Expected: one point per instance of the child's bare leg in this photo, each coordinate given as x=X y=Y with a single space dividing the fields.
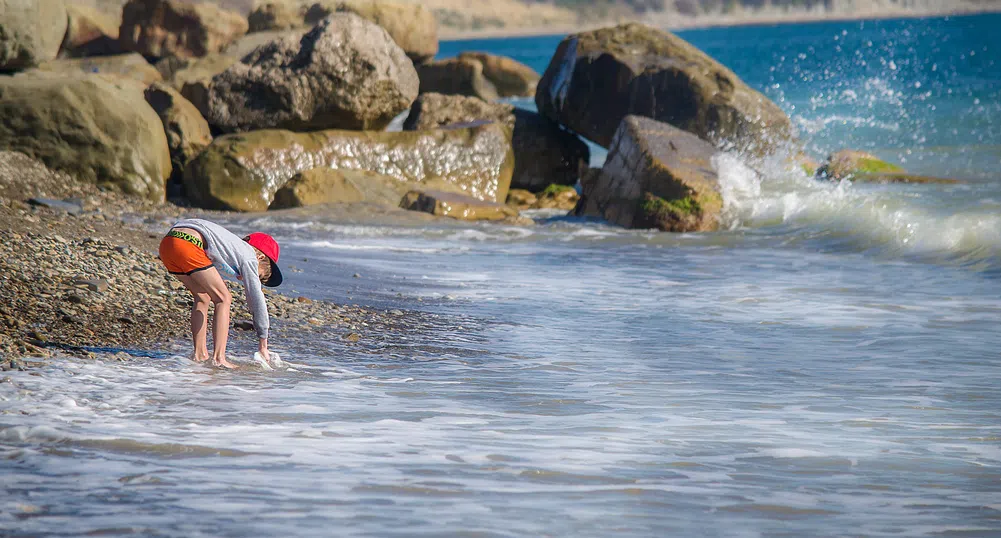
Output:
x=211 y=284
x=199 y=325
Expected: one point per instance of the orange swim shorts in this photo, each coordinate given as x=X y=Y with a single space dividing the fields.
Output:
x=182 y=257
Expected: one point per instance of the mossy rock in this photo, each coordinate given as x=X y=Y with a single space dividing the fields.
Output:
x=597 y=78
x=656 y=176
x=556 y=196
x=848 y=163
x=243 y=172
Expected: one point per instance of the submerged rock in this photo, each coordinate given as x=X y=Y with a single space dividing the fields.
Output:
x=859 y=166
x=242 y=172
x=131 y=66
x=94 y=128
x=656 y=176
x=346 y=73
x=457 y=206
x=544 y=152
x=456 y=76
x=30 y=32
x=90 y=32
x=596 y=78
x=158 y=28
x=511 y=78
x=187 y=131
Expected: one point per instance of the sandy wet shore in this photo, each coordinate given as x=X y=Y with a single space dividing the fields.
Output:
x=85 y=273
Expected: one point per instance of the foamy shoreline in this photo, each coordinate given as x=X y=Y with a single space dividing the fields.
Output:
x=688 y=23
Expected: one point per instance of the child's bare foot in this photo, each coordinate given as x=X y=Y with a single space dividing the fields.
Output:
x=223 y=363
x=200 y=358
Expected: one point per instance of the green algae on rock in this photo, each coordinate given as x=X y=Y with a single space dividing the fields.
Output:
x=863 y=167
x=242 y=172
x=457 y=206
x=656 y=176
x=596 y=78
x=97 y=129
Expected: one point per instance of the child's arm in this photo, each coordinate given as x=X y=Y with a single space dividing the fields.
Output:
x=258 y=306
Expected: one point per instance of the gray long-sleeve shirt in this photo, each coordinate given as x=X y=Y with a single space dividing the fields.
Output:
x=233 y=257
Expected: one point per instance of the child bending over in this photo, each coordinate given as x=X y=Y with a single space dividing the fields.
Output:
x=195 y=251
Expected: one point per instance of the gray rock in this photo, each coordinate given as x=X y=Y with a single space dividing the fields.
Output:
x=346 y=73
x=656 y=176
x=68 y=207
x=31 y=32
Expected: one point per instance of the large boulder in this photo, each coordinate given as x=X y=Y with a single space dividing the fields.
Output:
x=656 y=176
x=30 y=32
x=457 y=206
x=597 y=78
x=346 y=73
x=436 y=110
x=544 y=152
x=187 y=131
x=182 y=28
x=410 y=24
x=95 y=128
x=511 y=78
x=131 y=66
x=90 y=32
x=318 y=186
x=456 y=76
x=243 y=171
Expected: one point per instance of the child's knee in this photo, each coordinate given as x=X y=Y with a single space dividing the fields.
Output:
x=202 y=300
x=223 y=297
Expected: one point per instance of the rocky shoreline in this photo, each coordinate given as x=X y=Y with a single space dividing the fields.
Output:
x=74 y=274
x=289 y=107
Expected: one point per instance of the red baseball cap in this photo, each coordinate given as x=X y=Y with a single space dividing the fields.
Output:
x=267 y=244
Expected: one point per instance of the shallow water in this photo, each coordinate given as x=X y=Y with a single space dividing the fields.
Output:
x=826 y=365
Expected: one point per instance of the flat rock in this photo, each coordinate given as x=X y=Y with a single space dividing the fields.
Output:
x=97 y=285
x=244 y=171
x=31 y=32
x=456 y=76
x=597 y=78
x=61 y=205
x=656 y=176
x=850 y=163
x=95 y=128
x=132 y=66
x=457 y=206
x=159 y=28
x=346 y=73
x=511 y=78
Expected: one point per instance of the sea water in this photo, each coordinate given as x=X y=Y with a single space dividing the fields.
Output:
x=826 y=365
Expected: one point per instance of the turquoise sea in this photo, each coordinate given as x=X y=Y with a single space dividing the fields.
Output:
x=826 y=365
